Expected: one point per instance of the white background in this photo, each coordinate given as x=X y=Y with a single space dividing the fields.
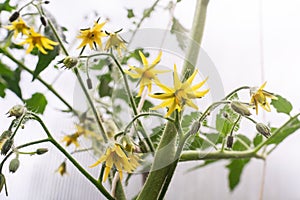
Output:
x=232 y=39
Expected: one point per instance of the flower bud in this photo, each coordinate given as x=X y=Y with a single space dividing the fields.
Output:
x=6 y=146
x=41 y=151
x=14 y=16
x=195 y=127
x=62 y=169
x=17 y=111
x=89 y=83
x=14 y=165
x=43 y=20
x=5 y=135
x=46 y=2
x=240 y=108
x=263 y=129
x=127 y=143
x=2 y=181
x=229 y=141
x=70 y=62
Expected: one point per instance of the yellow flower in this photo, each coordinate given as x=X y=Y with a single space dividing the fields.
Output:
x=115 y=41
x=35 y=39
x=62 y=169
x=18 y=26
x=92 y=36
x=69 y=139
x=115 y=156
x=259 y=96
x=147 y=74
x=179 y=96
x=82 y=131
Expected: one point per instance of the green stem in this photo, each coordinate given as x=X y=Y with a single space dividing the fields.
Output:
x=193 y=155
x=20 y=147
x=97 y=184
x=235 y=91
x=210 y=108
x=18 y=125
x=196 y=38
x=47 y=85
x=132 y=102
x=98 y=120
x=145 y=15
x=157 y=178
x=277 y=131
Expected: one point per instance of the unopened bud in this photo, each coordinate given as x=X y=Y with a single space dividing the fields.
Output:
x=6 y=146
x=70 y=62
x=195 y=127
x=5 y=135
x=14 y=165
x=263 y=129
x=240 y=108
x=14 y=16
x=16 y=111
x=62 y=169
x=41 y=151
x=89 y=83
x=43 y=20
x=229 y=141
x=46 y=2
x=2 y=181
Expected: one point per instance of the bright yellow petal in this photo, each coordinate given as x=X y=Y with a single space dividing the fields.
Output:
x=144 y=59
x=191 y=78
x=199 y=85
x=164 y=104
x=106 y=173
x=191 y=104
x=262 y=86
x=162 y=96
x=172 y=108
x=177 y=82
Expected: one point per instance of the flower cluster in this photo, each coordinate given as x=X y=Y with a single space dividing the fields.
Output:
x=33 y=39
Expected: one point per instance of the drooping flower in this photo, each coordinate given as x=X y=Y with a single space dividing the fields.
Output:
x=35 y=39
x=116 y=157
x=18 y=26
x=92 y=36
x=115 y=41
x=179 y=96
x=71 y=139
x=62 y=169
x=259 y=96
x=147 y=74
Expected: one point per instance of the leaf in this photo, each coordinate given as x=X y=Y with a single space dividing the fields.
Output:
x=240 y=142
x=130 y=13
x=257 y=139
x=135 y=55
x=45 y=59
x=12 y=79
x=284 y=131
x=37 y=103
x=189 y=119
x=197 y=142
x=180 y=32
x=2 y=90
x=224 y=125
x=6 y=6
x=235 y=168
x=101 y=64
x=104 y=89
x=205 y=163
x=282 y=105
x=147 y=104
x=156 y=135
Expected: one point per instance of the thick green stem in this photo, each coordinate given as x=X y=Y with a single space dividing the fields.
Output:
x=47 y=85
x=157 y=178
x=235 y=91
x=196 y=39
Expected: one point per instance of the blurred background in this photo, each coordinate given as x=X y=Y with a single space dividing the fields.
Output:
x=249 y=41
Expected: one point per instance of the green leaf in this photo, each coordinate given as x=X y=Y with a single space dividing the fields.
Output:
x=147 y=104
x=156 y=135
x=130 y=13
x=257 y=139
x=205 y=163
x=37 y=103
x=225 y=124
x=101 y=64
x=135 y=55
x=12 y=80
x=282 y=105
x=6 y=6
x=45 y=59
x=235 y=168
x=180 y=32
x=2 y=90
x=196 y=142
x=284 y=131
x=104 y=89
x=241 y=142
